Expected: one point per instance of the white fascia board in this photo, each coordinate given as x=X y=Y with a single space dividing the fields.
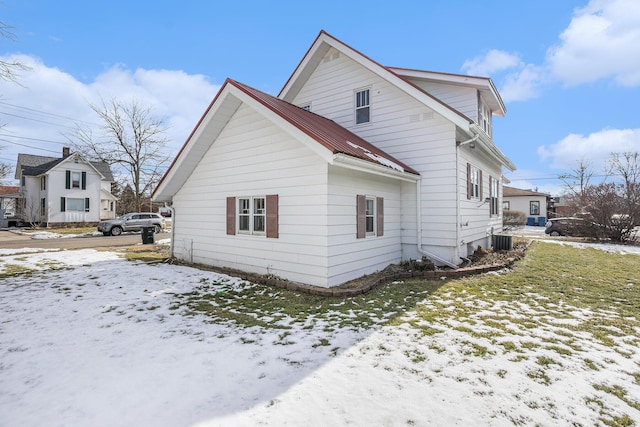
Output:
x=353 y=163
x=199 y=142
x=484 y=84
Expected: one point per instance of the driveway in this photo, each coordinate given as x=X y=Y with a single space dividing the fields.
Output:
x=9 y=240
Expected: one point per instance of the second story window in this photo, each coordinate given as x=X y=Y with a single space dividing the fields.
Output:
x=75 y=179
x=363 y=106
x=484 y=116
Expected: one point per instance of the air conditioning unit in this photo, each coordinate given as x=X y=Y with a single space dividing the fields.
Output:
x=501 y=242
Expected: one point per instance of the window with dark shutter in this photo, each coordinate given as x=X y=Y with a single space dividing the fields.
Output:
x=231 y=215
x=84 y=180
x=361 y=216
x=67 y=180
x=63 y=204
x=379 y=216
x=272 y=216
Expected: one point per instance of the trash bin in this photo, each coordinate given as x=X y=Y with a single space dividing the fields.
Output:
x=148 y=235
x=542 y=221
x=531 y=220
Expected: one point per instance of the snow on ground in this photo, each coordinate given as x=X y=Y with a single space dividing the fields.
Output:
x=89 y=338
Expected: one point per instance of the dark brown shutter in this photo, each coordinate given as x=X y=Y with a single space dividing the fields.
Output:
x=361 y=217
x=272 y=216
x=468 y=180
x=380 y=216
x=231 y=215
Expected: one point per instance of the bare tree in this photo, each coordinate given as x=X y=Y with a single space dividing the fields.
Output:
x=132 y=139
x=578 y=179
x=9 y=71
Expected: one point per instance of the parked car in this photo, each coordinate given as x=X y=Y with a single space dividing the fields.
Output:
x=570 y=226
x=131 y=222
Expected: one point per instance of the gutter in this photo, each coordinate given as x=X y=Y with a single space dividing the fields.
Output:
x=429 y=255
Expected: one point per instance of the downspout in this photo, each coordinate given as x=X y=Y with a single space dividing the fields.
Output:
x=429 y=255
x=173 y=228
x=471 y=141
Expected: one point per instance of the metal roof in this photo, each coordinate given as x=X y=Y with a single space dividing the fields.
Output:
x=326 y=132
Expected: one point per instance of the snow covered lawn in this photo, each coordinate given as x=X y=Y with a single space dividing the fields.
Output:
x=88 y=338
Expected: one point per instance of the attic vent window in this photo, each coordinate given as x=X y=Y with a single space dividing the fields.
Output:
x=363 y=106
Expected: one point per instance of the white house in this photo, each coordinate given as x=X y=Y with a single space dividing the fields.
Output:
x=532 y=203
x=67 y=189
x=352 y=167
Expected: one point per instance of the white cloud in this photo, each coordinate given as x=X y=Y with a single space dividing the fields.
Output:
x=523 y=84
x=48 y=102
x=519 y=81
x=493 y=61
x=595 y=148
x=602 y=40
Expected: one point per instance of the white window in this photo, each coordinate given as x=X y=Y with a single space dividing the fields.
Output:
x=484 y=116
x=75 y=204
x=493 y=196
x=252 y=215
x=370 y=216
x=363 y=105
x=474 y=180
x=75 y=180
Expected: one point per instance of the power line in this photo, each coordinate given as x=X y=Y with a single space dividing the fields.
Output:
x=46 y=113
x=37 y=120
x=34 y=139
x=28 y=146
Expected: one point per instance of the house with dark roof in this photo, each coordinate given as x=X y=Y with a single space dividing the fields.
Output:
x=63 y=190
x=351 y=167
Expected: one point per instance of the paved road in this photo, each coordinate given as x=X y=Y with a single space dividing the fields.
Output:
x=9 y=240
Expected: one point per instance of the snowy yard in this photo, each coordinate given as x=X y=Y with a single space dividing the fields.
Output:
x=88 y=338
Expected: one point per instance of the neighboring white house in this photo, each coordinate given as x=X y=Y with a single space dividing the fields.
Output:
x=354 y=166
x=532 y=203
x=67 y=189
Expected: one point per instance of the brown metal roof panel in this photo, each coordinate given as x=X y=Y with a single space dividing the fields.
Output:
x=327 y=132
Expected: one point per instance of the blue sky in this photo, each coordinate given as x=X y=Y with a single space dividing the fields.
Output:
x=568 y=71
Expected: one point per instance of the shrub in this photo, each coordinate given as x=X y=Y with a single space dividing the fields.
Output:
x=513 y=218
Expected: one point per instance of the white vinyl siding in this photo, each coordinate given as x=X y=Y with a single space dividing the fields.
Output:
x=404 y=128
x=250 y=157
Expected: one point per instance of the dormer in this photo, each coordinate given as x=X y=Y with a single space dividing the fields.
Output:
x=475 y=97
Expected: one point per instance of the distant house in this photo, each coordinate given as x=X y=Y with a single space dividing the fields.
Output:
x=62 y=190
x=532 y=203
x=8 y=196
x=352 y=167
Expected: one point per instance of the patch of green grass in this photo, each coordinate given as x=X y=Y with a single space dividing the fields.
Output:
x=147 y=253
x=70 y=230
x=618 y=392
x=14 y=269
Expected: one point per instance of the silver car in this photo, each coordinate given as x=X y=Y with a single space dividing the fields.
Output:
x=131 y=222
